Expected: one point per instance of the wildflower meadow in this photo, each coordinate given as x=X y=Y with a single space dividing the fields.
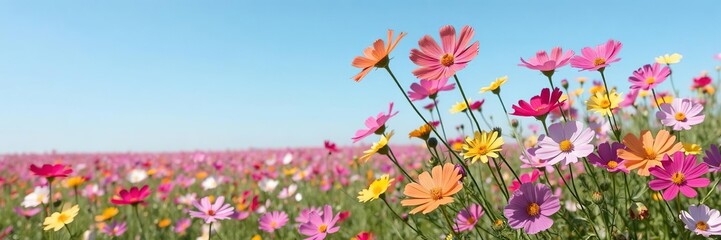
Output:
x=580 y=158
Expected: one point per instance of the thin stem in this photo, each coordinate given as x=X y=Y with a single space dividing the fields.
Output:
x=670 y=76
x=448 y=220
x=69 y=233
x=617 y=131
x=137 y=217
x=210 y=231
x=560 y=109
x=713 y=188
x=653 y=91
x=463 y=94
x=395 y=161
x=399 y=217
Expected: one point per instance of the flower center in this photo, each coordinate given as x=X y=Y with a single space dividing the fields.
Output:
x=482 y=150
x=701 y=225
x=471 y=220
x=533 y=209
x=62 y=218
x=322 y=228
x=599 y=61
x=650 y=153
x=680 y=116
x=211 y=213
x=612 y=164
x=376 y=189
x=273 y=224
x=565 y=146
x=436 y=194
x=650 y=80
x=605 y=103
x=678 y=178
x=447 y=60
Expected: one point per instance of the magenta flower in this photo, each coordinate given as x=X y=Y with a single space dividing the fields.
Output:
x=115 y=229
x=679 y=173
x=51 y=171
x=212 y=212
x=530 y=160
x=330 y=146
x=598 y=58
x=530 y=208
x=607 y=157
x=374 y=124
x=543 y=63
x=319 y=226
x=468 y=217
x=525 y=178
x=26 y=212
x=629 y=99
x=436 y=63
x=700 y=82
x=304 y=215
x=713 y=158
x=269 y=222
x=540 y=105
x=566 y=143
x=181 y=225
x=429 y=88
x=681 y=114
x=648 y=76
x=477 y=104
x=134 y=196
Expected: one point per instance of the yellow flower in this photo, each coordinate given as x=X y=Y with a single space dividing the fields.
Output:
x=374 y=191
x=377 y=146
x=669 y=59
x=531 y=141
x=163 y=223
x=290 y=171
x=596 y=88
x=151 y=172
x=495 y=86
x=578 y=92
x=708 y=89
x=691 y=149
x=665 y=99
x=256 y=237
x=656 y=196
x=459 y=107
x=581 y=80
x=482 y=145
x=74 y=182
x=599 y=102
x=422 y=132
x=59 y=219
x=108 y=213
x=201 y=175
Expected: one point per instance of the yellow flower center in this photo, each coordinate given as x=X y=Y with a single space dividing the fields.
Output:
x=650 y=80
x=565 y=146
x=482 y=150
x=376 y=189
x=599 y=61
x=701 y=225
x=680 y=116
x=533 y=209
x=273 y=224
x=678 y=178
x=604 y=103
x=612 y=164
x=447 y=60
x=62 y=218
x=498 y=223
x=436 y=194
x=322 y=228
x=650 y=153
x=471 y=220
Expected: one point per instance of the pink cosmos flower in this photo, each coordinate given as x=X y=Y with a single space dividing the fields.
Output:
x=468 y=217
x=319 y=226
x=51 y=171
x=679 y=173
x=181 y=225
x=649 y=76
x=134 y=196
x=330 y=146
x=681 y=114
x=592 y=59
x=429 y=88
x=219 y=210
x=374 y=124
x=629 y=99
x=431 y=106
x=530 y=208
x=364 y=236
x=530 y=160
x=436 y=63
x=566 y=143
x=525 y=178
x=713 y=158
x=540 y=105
x=700 y=82
x=269 y=222
x=26 y=212
x=476 y=105
x=543 y=63
x=608 y=158
x=304 y=215
x=115 y=229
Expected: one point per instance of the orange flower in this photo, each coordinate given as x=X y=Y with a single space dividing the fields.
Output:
x=647 y=152
x=433 y=190
x=376 y=55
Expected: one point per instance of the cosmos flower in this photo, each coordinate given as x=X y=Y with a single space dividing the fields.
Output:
x=646 y=152
x=540 y=105
x=330 y=146
x=438 y=62
x=607 y=157
x=566 y=143
x=58 y=220
x=702 y=220
x=375 y=56
x=468 y=217
x=649 y=76
x=525 y=178
x=219 y=210
x=374 y=191
x=319 y=226
x=482 y=146
x=51 y=171
x=713 y=158
x=424 y=131
x=600 y=103
x=40 y=195
x=701 y=82
x=530 y=208
x=137 y=175
x=669 y=59
x=134 y=196
x=629 y=99
x=26 y=212
x=107 y=214
x=114 y=229
x=681 y=114
x=530 y=160
x=377 y=147
x=495 y=86
x=598 y=58
x=272 y=221
x=679 y=173
x=429 y=89
x=542 y=62
x=434 y=190
x=374 y=125
x=181 y=225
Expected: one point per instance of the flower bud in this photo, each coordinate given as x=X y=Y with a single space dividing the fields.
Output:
x=514 y=123
x=564 y=84
x=597 y=197
x=461 y=171
x=432 y=142
x=604 y=186
x=498 y=225
x=638 y=211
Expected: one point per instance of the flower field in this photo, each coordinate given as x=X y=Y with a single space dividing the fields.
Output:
x=597 y=161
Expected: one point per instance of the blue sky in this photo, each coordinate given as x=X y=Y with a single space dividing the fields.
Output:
x=185 y=75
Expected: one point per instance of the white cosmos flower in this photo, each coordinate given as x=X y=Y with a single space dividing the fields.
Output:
x=702 y=220
x=288 y=191
x=209 y=183
x=287 y=159
x=35 y=198
x=298 y=197
x=268 y=185
x=137 y=175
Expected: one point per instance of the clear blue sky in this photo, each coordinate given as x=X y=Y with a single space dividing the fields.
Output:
x=185 y=75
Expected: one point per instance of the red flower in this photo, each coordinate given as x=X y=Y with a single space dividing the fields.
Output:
x=330 y=146
x=540 y=105
x=51 y=171
x=132 y=196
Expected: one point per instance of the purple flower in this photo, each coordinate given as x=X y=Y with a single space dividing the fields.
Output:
x=702 y=220
x=269 y=222
x=566 y=142
x=319 y=226
x=713 y=158
x=115 y=229
x=530 y=160
x=304 y=215
x=530 y=208
x=679 y=173
x=680 y=114
x=212 y=212
x=607 y=157
x=468 y=217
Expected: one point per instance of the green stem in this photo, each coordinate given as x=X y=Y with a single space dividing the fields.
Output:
x=468 y=106
x=400 y=218
x=395 y=161
x=713 y=188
